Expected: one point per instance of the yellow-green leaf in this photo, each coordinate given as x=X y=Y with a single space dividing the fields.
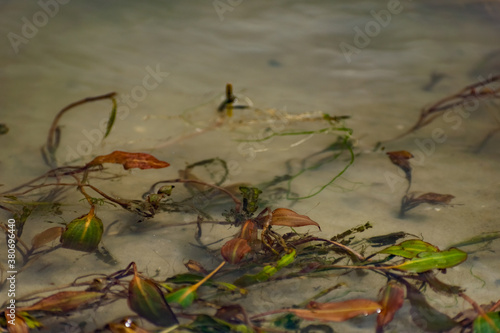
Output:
x=184 y=297
x=427 y=261
x=410 y=248
x=83 y=233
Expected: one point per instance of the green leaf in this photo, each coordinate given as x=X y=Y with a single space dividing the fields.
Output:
x=147 y=300
x=266 y=272
x=112 y=118
x=490 y=324
x=433 y=260
x=184 y=297
x=83 y=233
x=410 y=248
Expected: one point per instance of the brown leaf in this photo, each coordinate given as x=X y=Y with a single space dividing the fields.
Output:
x=64 y=301
x=391 y=300
x=401 y=159
x=46 y=236
x=130 y=160
x=337 y=311
x=195 y=267
x=234 y=250
x=288 y=218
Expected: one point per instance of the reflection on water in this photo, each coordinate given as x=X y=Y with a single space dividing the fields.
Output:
x=377 y=62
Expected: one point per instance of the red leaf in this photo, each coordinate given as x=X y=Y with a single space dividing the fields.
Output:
x=337 y=311
x=289 y=218
x=130 y=160
x=391 y=299
x=234 y=250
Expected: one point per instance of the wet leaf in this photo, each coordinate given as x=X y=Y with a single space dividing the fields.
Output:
x=184 y=297
x=147 y=300
x=337 y=311
x=424 y=315
x=401 y=159
x=410 y=248
x=427 y=261
x=488 y=323
x=391 y=300
x=129 y=160
x=266 y=272
x=289 y=218
x=46 y=236
x=83 y=233
x=64 y=301
x=234 y=250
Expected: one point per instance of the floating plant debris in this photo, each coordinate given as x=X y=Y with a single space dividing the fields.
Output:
x=265 y=246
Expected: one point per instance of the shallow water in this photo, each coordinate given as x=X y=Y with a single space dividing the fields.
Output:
x=285 y=55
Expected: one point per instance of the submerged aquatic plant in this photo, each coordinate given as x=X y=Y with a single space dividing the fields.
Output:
x=258 y=253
